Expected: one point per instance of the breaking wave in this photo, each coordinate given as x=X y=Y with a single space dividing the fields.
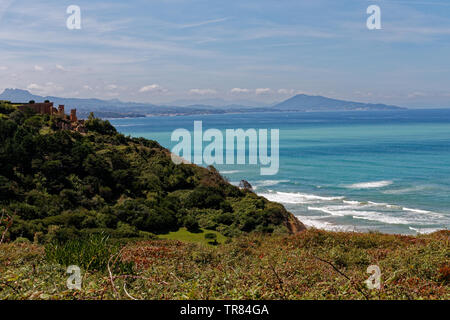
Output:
x=230 y=172
x=425 y=230
x=297 y=198
x=336 y=208
x=370 y=185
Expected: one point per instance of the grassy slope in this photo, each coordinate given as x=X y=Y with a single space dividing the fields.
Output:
x=249 y=267
x=184 y=235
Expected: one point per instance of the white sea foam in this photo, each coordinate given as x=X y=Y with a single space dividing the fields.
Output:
x=356 y=205
x=351 y=202
x=425 y=230
x=360 y=214
x=315 y=222
x=400 y=208
x=370 y=185
x=405 y=190
x=229 y=171
x=426 y=212
x=375 y=216
x=267 y=183
x=336 y=207
x=297 y=198
x=326 y=210
x=416 y=210
x=382 y=204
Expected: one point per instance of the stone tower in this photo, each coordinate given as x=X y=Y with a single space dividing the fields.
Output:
x=61 y=110
x=73 y=115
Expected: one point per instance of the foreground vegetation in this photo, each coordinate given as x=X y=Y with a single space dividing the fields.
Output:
x=311 y=265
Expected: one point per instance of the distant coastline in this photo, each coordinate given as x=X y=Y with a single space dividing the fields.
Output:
x=116 y=109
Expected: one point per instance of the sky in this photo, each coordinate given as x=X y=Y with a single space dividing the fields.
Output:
x=260 y=50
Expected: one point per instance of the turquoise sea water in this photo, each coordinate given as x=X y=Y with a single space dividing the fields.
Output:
x=385 y=171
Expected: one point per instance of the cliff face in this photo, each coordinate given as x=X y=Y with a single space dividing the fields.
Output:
x=294 y=225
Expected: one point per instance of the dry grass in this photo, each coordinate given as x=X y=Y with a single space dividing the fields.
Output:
x=312 y=265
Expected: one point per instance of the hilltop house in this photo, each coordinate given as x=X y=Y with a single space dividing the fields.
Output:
x=67 y=122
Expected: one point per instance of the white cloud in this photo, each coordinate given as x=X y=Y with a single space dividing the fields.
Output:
x=112 y=94
x=38 y=68
x=60 y=67
x=34 y=86
x=153 y=88
x=86 y=87
x=47 y=89
x=239 y=90
x=3 y=68
x=286 y=91
x=111 y=87
x=202 y=92
x=416 y=94
x=262 y=91
x=363 y=94
x=202 y=23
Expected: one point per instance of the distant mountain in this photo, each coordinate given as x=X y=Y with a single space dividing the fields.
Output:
x=105 y=108
x=102 y=108
x=303 y=102
x=118 y=109
x=18 y=95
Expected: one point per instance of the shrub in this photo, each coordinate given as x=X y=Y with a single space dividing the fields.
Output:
x=210 y=236
x=22 y=240
x=91 y=252
x=191 y=224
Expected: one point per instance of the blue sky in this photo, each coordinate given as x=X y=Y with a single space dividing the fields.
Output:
x=260 y=50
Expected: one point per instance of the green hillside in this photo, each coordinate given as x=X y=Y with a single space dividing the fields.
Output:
x=60 y=184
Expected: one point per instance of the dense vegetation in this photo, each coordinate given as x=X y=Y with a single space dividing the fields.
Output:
x=57 y=185
x=311 y=265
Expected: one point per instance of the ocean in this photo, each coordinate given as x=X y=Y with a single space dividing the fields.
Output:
x=386 y=171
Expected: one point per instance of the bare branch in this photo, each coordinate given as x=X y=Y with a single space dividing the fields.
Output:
x=280 y=281
x=356 y=285
x=111 y=278
x=126 y=292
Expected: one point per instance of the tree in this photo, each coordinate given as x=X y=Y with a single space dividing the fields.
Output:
x=191 y=224
x=211 y=236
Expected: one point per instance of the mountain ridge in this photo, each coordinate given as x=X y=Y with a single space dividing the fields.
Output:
x=303 y=102
x=117 y=108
